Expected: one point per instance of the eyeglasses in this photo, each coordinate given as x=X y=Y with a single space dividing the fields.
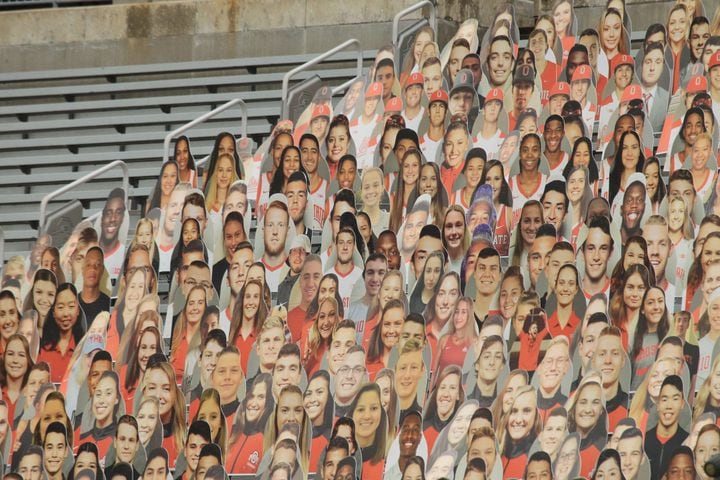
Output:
x=344 y=370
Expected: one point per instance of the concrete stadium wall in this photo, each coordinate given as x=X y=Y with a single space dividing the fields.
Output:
x=130 y=32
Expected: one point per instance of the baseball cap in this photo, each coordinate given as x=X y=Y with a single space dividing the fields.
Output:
x=583 y=72
x=395 y=104
x=464 y=81
x=93 y=342
x=322 y=110
x=524 y=74
x=622 y=59
x=301 y=241
x=374 y=90
x=631 y=92
x=697 y=84
x=494 y=94
x=560 y=88
x=245 y=146
x=714 y=60
x=439 y=96
x=415 y=79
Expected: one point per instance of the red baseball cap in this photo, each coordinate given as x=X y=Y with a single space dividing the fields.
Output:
x=415 y=79
x=374 y=90
x=622 y=59
x=322 y=110
x=494 y=94
x=395 y=104
x=439 y=96
x=714 y=60
x=697 y=84
x=560 y=88
x=631 y=92
x=583 y=72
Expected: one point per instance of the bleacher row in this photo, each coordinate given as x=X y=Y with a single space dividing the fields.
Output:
x=57 y=125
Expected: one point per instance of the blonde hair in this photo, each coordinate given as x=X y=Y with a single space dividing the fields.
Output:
x=211 y=195
x=703 y=396
x=687 y=227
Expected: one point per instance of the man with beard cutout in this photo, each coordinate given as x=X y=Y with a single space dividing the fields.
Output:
x=317 y=199
x=348 y=273
x=276 y=224
x=299 y=250
x=110 y=222
x=632 y=210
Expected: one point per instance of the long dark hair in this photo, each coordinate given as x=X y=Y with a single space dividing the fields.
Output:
x=237 y=313
x=278 y=180
x=157 y=191
x=592 y=166
x=132 y=373
x=51 y=331
x=619 y=270
x=642 y=325
x=329 y=413
x=661 y=188
x=605 y=455
x=617 y=168
x=505 y=194
x=91 y=448
x=191 y=159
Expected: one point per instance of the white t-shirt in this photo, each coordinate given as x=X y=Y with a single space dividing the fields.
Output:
x=346 y=283
x=362 y=136
x=429 y=148
x=706 y=345
x=490 y=145
x=414 y=123
x=317 y=201
x=274 y=275
x=114 y=261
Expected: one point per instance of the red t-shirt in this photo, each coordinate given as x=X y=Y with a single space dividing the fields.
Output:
x=57 y=360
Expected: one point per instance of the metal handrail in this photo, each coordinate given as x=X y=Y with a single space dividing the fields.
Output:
x=90 y=176
x=315 y=61
x=202 y=118
x=409 y=10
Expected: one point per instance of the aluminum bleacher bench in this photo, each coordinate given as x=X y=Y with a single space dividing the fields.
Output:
x=211 y=84
x=111 y=74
